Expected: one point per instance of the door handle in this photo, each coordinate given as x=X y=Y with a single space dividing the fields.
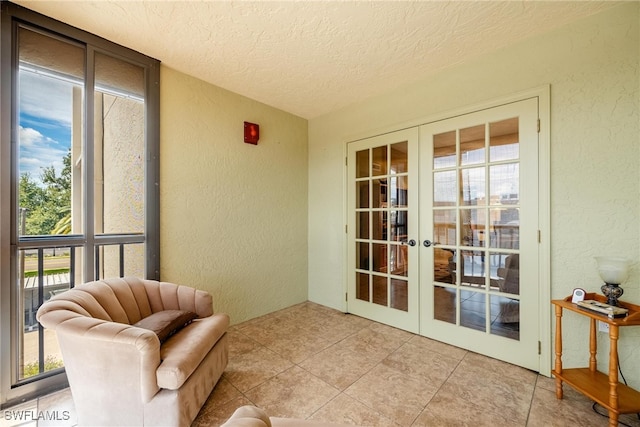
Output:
x=428 y=243
x=410 y=242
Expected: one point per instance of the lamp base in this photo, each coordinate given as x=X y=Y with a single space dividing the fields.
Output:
x=612 y=291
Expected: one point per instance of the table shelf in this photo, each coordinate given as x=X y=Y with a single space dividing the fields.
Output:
x=595 y=385
x=603 y=388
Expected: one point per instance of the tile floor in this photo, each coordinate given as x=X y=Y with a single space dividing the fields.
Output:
x=309 y=361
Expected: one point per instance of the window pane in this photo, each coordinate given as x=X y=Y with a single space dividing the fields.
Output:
x=119 y=146
x=120 y=260
x=43 y=273
x=50 y=94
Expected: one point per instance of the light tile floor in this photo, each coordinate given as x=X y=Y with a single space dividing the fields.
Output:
x=309 y=361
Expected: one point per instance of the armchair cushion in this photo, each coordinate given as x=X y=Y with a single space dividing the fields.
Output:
x=198 y=338
x=165 y=323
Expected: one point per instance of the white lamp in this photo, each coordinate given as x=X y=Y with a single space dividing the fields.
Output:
x=614 y=271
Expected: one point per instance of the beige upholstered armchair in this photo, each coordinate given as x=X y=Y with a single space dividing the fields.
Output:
x=119 y=372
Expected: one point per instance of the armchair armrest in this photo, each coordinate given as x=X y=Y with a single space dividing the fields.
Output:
x=93 y=349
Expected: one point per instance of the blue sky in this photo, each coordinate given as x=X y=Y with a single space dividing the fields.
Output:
x=45 y=122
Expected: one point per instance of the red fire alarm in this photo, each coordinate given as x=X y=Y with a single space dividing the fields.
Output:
x=251 y=133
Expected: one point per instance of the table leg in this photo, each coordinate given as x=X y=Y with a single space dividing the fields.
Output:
x=558 y=364
x=613 y=374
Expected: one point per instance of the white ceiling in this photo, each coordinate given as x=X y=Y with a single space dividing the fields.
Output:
x=314 y=57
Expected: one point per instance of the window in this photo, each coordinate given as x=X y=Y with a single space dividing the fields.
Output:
x=79 y=156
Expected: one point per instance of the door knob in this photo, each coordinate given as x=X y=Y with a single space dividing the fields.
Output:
x=428 y=243
x=410 y=242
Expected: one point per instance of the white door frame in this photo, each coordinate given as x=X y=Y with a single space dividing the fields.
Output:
x=543 y=93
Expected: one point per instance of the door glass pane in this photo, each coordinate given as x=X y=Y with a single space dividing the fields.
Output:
x=50 y=114
x=473 y=269
x=399 y=294
x=380 y=193
x=505 y=229
x=399 y=226
x=504 y=184
x=472 y=145
x=398 y=260
x=380 y=293
x=505 y=317
x=444 y=150
x=472 y=227
x=379 y=161
x=362 y=255
x=473 y=186
x=473 y=310
x=504 y=142
x=508 y=272
x=444 y=304
x=362 y=194
x=444 y=226
x=379 y=225
x=119 y=146
x=399 y=162
x=445 y=188
x=379 y=257
x=362 y=164
x=443 y=265
x=362 y=225
x=399 y=191
x=362 y=286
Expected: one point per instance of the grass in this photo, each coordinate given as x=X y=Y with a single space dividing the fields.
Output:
x=33 y=368
x=34 y=273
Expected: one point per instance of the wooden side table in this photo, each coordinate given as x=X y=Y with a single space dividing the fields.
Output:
x=602 y=388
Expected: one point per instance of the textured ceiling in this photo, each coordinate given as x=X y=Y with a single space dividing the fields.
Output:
x=314 y=57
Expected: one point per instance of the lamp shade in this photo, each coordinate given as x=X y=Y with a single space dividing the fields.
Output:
x=613 y=269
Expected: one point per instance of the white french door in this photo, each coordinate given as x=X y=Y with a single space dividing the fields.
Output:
x=382 y=229
x=442 y=231
x=479 y=225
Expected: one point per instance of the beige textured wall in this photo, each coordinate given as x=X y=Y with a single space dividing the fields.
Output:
x=592 y=67
x=233 y=215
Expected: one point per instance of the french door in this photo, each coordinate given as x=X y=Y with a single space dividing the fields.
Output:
x=447 y=245
x=479 y=225
x=382 y=229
